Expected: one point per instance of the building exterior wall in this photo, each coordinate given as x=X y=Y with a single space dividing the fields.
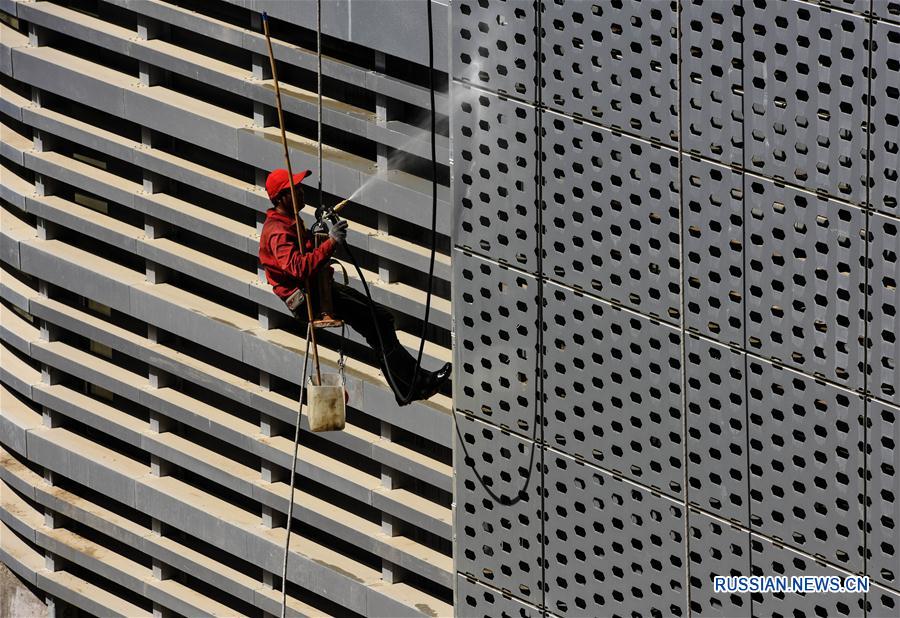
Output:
x=673 y=236
x=675 y=267
x=149 y=376
x=16 y=600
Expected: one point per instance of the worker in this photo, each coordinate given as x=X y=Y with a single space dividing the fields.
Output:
x=287 y=270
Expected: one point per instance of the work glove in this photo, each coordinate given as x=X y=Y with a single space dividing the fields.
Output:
x=338 y=231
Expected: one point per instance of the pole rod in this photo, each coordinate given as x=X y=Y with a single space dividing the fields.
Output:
x=287 y=159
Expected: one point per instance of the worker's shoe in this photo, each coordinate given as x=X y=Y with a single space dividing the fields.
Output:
x=431 y=382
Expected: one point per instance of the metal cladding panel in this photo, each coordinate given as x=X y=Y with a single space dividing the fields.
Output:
x=883 y=602
x=479 y=601
x=884 y=301
x=499 y=509
x=717 y=429
x=613 y=62
x=805 y=96
x=717 y=549
x=712 y=209
x=393 y=29
x=615 y=548
x=674 y=243
x=494 y=45
x=610 y=216
x=805 y=276
x=497 y=351
x=888 y=10
x=716 y=278
x=885 y=117
x=856 y=6
x=806 y=464
x=612 y=388
x=494 y=177
x=768 y=558
x=883 y=493
x=712 y=80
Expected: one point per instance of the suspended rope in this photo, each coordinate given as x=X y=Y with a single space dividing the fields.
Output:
x=310 y=330
x=310 y=325
x=290 y=513
x=319 y=96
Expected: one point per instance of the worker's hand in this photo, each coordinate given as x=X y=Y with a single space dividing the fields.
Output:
x=338 y=231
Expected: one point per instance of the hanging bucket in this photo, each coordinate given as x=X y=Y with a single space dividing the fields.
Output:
x=326 y=403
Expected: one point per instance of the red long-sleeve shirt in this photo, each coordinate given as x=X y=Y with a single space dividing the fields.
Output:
x=280 y=255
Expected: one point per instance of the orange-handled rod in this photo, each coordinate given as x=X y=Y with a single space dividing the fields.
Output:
x=287 y=160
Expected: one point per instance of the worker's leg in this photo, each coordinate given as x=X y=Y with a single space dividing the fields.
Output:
x=353 y=307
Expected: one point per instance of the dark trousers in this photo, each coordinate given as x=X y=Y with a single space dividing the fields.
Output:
x=353 y=308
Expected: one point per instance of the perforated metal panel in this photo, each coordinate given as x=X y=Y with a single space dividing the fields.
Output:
x=717 y=429
x=806 y=466
x=613 y=62
x=744 y=239
x=611 y=216
x=494 y=177
x=712 y=79
x=882 y=602
x=615 y=549
x=713 y=211
x=498 y=496
x=612 y=388
x=804 y=281
x=494 y=45
x=804 y=96
x=885 y=141
x=497 y=345
x=479 y=601
x=770 y=559
x=888 y=10
x=717 y=549
x=883 y=493
x=884 y=321
x=856 y=6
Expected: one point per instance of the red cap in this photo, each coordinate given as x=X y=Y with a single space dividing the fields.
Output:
x=278 y=181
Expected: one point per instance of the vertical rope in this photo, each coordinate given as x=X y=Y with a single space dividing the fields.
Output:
x=319 y=95
x=539 y=247
x=867 y=293
x=682 y=326
x=310 y=329
x=290 y=513
x=745 y=238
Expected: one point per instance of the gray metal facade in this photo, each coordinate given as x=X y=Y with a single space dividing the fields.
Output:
x=673 y=239
x=149 y=375
x=675 y=304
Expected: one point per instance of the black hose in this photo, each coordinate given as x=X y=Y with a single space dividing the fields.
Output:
x=387 y=372
x=522 y=493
